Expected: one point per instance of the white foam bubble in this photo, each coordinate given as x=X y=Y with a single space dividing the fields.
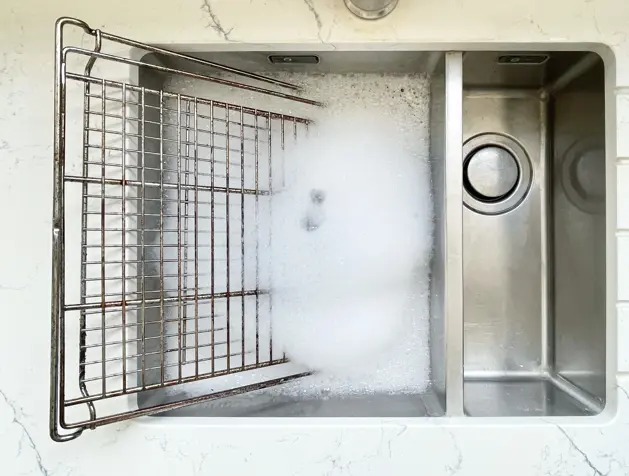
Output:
x=352 y=236
x=350 y=297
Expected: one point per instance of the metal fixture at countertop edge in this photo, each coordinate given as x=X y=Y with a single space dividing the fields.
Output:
x=371 y=9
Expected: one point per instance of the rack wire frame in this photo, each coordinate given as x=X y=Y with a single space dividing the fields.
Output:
x=154 y=305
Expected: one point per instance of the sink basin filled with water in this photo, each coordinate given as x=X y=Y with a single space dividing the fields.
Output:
x=350 y=281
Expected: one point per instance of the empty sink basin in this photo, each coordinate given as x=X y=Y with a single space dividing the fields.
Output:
x=534 y=234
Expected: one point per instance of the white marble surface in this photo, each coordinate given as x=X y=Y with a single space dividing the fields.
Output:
x=593 y=446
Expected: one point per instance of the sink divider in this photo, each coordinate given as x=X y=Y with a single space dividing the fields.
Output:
x=446 y=305
x=453 y=217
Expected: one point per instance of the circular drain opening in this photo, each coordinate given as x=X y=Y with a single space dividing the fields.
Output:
x=491 y=173
x=496 y=174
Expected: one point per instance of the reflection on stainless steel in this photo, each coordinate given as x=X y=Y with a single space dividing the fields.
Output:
x=534 y=297
x=582 y=174
x=371 y=9
x=492 y=172
x=579 y=235
x=519 y=397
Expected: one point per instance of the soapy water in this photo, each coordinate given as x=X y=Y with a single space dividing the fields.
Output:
x=351 y=238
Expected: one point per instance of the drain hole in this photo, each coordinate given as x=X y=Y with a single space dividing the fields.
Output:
x=490 y=173
x=497 y=173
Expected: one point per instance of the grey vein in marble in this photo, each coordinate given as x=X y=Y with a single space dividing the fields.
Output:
x=26 y=434
x=398 y=434
x=586 y=458
x=215 y=22
x=317 y=18
x=454 y=469
x=625 y=393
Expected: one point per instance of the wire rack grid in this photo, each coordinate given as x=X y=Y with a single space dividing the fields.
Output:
x=160 y=207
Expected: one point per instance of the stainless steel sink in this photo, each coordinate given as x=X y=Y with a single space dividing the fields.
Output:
x=529 y=336
x=377 y=66
x=165 y=193
x=534 y=259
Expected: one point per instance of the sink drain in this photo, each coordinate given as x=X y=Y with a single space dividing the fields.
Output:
x=491 y=173
x=496 y=174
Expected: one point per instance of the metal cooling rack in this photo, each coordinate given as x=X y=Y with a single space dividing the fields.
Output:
x=156 y=278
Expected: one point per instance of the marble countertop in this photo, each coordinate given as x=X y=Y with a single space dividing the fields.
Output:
x=593 y=446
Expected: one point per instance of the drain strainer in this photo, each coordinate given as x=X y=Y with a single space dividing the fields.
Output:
x=496 y=174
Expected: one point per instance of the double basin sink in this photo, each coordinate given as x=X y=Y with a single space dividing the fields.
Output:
x=518 y=314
